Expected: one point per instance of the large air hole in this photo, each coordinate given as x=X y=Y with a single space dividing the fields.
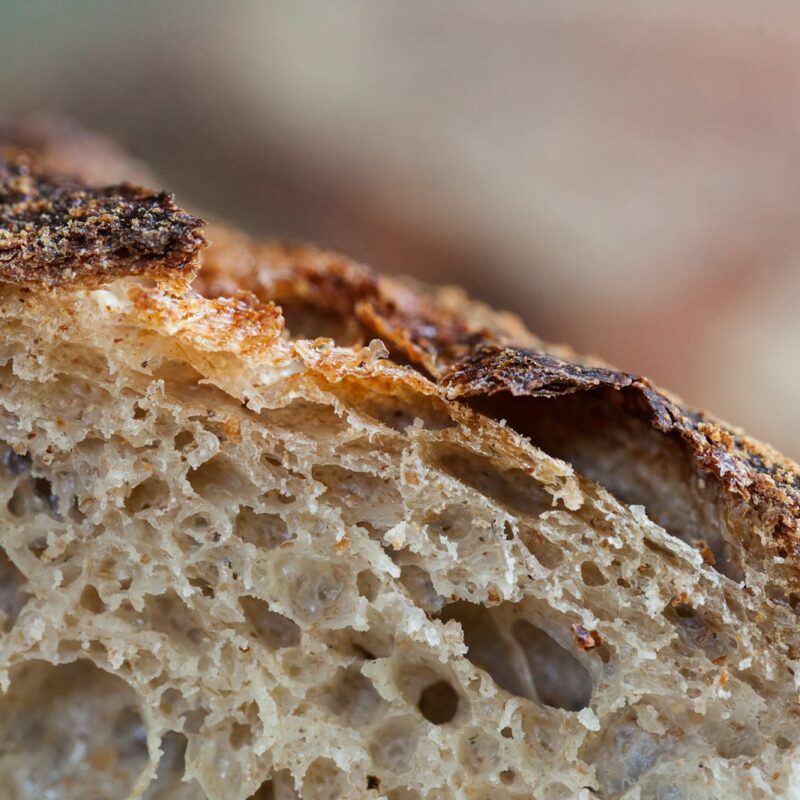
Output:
x=399 y=409
x=365 y=645
x=603 y=436
x=394 y=744
x=561 y=681
x=151 y=493
x=540 y=547
x=91 y=600
x=241 y=736
x=424 y=686
x=168 y=614
x=316 y=591
x=454 y=522
x=15 y=463
x=512 y=488
x=625 y=752
x=218 y=480
x=592 y=575
x=279 y=787
x=352 y=697
x=320 y=417
x=169 y=781
x=361 y=496
x=33 y=496
x=70 y=731
x=479 y=751
x=521 y=657
x=419 y=585
x=275 y=630
x=324 y=781
x=438 y=702
x=368 y=584
x=310 y=321
x=184 y=381
x=12 y=592
x=698 y=631
x=265 y=531
x=184 y=440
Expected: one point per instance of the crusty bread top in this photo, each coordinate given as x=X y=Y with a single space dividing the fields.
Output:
x=438 y=512
x=473 y=353
x=62 y=232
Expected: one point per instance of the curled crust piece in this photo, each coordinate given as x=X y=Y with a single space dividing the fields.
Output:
x=57 y=231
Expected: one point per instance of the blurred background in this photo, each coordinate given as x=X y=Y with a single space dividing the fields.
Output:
x=623 y=175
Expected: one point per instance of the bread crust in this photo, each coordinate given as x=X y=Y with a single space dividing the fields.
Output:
x=473 y=352
x=60 y=232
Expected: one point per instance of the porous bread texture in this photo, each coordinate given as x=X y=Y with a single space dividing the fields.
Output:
x=240 y=564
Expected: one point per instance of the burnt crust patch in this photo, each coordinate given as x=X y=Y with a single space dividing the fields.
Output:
x=529 y=373
x=766 y=480
x=56 y=231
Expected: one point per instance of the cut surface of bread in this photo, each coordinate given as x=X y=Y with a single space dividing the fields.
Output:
x=274 y=526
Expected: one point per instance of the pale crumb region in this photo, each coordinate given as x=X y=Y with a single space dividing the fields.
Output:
x=236 y=563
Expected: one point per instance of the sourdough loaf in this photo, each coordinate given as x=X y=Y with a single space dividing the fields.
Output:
x=276 y=526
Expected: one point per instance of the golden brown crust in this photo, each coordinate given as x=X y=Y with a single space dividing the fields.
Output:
x=473 y=353
x=56 y=231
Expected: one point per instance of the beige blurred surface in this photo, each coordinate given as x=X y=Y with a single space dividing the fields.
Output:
x=626 y=176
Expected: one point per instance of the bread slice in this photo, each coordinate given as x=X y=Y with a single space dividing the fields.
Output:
x=274 y=526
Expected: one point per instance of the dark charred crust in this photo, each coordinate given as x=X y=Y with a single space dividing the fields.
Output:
x=474 y=363
x=428 y=339
x=489 y=369
x=55 y=231
x=766 y=480
x=477 y=363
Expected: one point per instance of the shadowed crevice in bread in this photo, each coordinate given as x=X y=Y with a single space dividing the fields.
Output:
x=300 y=530
x=474 y=352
